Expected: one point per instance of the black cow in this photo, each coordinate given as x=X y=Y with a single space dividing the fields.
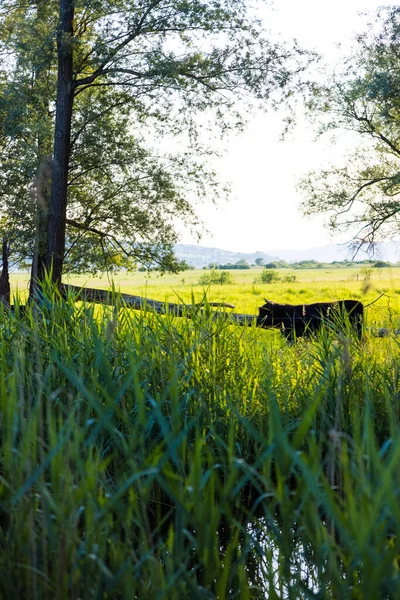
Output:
x=296 y=320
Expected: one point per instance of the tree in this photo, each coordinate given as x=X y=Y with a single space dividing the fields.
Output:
x=123 y=202
x=4 y=274
x=154 y=52
x=259 y=262
x=381 y=264
x=26 y=129
x=363 y=196
x=127 y=72
x=241 y=264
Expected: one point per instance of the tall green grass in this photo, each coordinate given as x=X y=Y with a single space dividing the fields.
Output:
x=144 y=456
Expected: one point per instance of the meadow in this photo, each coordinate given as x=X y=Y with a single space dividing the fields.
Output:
x=151 y=457
x=312 y=285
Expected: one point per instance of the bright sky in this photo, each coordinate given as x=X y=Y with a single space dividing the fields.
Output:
x=262 y=213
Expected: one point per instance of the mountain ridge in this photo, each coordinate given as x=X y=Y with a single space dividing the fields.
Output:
x=201 y=256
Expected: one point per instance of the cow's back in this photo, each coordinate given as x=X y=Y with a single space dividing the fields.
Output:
x=300 y=318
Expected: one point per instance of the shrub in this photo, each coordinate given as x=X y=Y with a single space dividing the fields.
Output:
x=218 y=277
x=289 y=279
x=269 y=276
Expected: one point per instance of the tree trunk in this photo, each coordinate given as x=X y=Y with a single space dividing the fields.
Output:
x=40 y=193
x=62 y=142
x=4 y=275
x=139 y=302
x=40 y=189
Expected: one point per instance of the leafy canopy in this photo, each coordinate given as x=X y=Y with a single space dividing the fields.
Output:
x=363 y=196
x=143 y=71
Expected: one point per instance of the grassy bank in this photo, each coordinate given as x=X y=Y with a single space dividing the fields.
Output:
x=150 y=457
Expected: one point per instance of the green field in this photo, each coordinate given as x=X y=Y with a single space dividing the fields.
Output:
x=311 y=285
x=151 y=457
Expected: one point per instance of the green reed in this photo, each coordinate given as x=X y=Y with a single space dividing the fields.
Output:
x=151 y=457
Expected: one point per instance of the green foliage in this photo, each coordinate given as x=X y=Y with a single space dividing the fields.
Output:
x=289 y=279
x=305 y=264
x=146 y=74
x=240 y=264
x=381 y=264
x=362 y=196
x=146 y=456
x=269 y=276
x=214 y=277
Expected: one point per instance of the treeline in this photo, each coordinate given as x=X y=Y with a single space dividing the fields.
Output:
x=301 y=264
x=240 y=264
x=313 y=264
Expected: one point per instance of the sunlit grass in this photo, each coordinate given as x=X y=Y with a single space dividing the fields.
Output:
x=312 y=285
x=146 y=456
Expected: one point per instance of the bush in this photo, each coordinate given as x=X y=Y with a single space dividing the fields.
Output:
x=289 y=279
x=269 y=276
x=221 y=278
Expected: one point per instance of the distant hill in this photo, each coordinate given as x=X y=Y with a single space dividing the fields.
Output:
x=201 y=256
